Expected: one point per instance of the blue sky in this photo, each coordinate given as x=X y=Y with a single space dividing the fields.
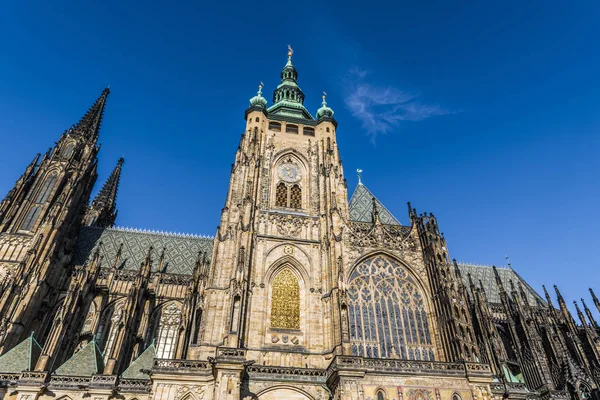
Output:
x=486 y=114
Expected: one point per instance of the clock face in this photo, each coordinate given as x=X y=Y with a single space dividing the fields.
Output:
x=289 y=172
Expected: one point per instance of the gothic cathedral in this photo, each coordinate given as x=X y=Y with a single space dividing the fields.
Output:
x=301 y=294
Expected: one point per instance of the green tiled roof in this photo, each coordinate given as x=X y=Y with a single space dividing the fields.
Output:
x=22 y=357
x=86 y=362
x=143 y=362
x=180 y=254
x=486 y=275
x=361 y=207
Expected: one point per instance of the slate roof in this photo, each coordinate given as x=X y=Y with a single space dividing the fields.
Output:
x=180 y=254
x=22 y=357
x=86 y=362
x=361 y=207
x=143 y=362
x=485 y=273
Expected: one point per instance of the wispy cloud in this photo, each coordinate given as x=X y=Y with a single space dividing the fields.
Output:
x=382 y=108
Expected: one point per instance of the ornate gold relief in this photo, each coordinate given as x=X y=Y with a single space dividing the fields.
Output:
x=285 y=302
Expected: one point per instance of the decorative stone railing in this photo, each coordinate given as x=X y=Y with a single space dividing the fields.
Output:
x=103 y=381
x=162 y=365
x=412 y=367
x=70 y=382
x=135 y=385
x=287 y=373
x=230 y=354
x=33 y=378
x=510 y=387
x=7 y=380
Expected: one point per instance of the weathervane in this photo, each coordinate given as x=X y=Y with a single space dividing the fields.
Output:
x=508 y=261
x=358 y=172
x=290 y=51
x=324 y=95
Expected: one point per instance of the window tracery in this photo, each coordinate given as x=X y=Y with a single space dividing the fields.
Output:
x=295 y=197
x=42 y=196
x=285 y=301
x=281 y=195
x=168 y=329
x=288 y=191
x=387 y=312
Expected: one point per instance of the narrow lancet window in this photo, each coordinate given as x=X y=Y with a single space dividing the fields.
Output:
x=281 y=195
x=295 y=197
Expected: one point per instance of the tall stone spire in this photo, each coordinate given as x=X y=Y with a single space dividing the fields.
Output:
x=288 y=98
x=89 y=125
x=102 y=212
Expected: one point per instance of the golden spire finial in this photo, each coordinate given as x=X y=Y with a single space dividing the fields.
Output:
x=324 y=95
x=290 y=51
x=260 y=86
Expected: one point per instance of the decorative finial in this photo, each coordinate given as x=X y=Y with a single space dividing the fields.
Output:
x=358 y=172
x=290 y=51
x=324 y=96
x=508 y=261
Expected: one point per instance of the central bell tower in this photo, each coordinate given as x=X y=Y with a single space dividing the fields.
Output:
x=275 y=258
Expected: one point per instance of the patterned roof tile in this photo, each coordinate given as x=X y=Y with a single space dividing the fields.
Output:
x=181 y=251
x=22 y=357
x=86 y=362
x=485 y=274
x=143 y=363
x=361 y=207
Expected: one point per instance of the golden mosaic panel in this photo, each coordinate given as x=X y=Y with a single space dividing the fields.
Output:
x=285 y=303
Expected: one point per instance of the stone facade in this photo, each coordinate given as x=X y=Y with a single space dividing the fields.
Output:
x=301 y=294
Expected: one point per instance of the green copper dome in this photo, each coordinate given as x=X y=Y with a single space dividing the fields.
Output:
x=324 y=111
x=258 y=100
x=288 y=98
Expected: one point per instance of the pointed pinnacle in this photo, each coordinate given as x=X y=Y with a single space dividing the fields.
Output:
x=89 y=124
x=107 y=196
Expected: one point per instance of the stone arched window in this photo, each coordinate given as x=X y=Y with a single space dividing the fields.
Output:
x=288 y=188
x=388 y=316
x=168 y=331
x=68 y=150
x=41 y=197
x=285 y=301
x=32 y=216
x=456 y=396
x=281 y=195
x=381 y=395
x=46 y=189
x=295 y=197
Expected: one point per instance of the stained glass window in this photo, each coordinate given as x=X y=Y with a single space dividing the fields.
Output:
x=168 y=329
x=285 y=301
x=44 y=194
x=296 y=197
x=281 y=195
x=31 y=217
x=387 y=313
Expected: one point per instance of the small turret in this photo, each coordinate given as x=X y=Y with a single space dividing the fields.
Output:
x=258 y=101
x=324 y=111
